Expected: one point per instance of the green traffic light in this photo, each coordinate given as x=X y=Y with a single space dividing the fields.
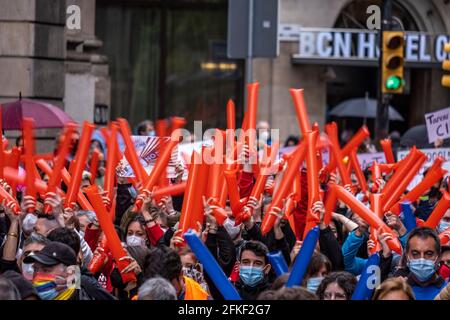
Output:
x=394 y=82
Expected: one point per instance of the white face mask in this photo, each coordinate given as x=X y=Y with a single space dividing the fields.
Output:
x=134 y=241
x=29 y=222
x=232 y=230
x=443 y=225
x=27 y=271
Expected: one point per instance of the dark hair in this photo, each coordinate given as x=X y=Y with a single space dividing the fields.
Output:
x=36 y=238
x=66 y=236
x=8 y=291
x=162 y=261
x=257 y=247
x=445 y=249
x=293 y=139
x=267 y=295
x=139 y=254
x=136 y=218
x=294 y=293
x=424 y=233
x=280 y=281
x=316 y=262
x=142 y=126
x=344 y=279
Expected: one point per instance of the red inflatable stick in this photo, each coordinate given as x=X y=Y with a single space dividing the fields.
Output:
x=99 y=257
x=80 y=158
x=130 y=151
x=1 y=144
x=107 y=226
x=376 y=174
x=444 y=237
x=433 y=176
x=13 y=177
x=55 y=178
x=365 y=213
x=172 y=190
x=175 y=124
x=386 y=144
x=330 y=205
x=354 y=142
x=402 y=171
x=358 y=172
x=4 y=195
x=84 y=203
x=187 y=217
x=312 y=172
x=111 y=161
x=391 y=198
x=231 y=115
x=93 y=166
x=161 y=128
x=300 y=108
x=374 y=238
x=285 y=185
x=332 y=132
x=28 y=142
x=376 y=204
x=158 y=170
x=233 y=192
x=439 y=211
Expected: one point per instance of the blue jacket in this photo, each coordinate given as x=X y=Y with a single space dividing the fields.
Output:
x=429 y=292
x=352 y=263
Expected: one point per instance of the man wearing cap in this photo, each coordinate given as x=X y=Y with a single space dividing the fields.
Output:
x=53 y=269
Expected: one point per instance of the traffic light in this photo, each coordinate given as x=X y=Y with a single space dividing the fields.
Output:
x=392 y=62
x=446 y=66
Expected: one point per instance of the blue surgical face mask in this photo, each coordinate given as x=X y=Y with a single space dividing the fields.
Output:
x=443 y=225
x=151 y=133
x=251 y=276
x=313 y=283
x=422 y=269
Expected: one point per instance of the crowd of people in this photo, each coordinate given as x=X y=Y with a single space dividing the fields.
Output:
x=51 y=256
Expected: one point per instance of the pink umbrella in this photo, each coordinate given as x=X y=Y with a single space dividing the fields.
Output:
x=45 y=115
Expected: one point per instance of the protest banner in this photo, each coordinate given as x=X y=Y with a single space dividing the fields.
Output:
x=147 y=151
x=431 y=154
x=438 y=124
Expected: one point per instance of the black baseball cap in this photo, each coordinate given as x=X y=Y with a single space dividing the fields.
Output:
x=52 y=254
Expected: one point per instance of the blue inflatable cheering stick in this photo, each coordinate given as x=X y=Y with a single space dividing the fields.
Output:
x=366 y=284
x=408 y=216
x=278 y=263
x=211 y=266
x=303 y=257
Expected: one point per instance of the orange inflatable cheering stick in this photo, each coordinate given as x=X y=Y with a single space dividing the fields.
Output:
x=28 y=142
x=300 y=108
x=365 y=213
x=80 y=159
x=284 y=187
x=332 y=132
x=386 y=144
x=55 y=178
x=107 y=226
x=130 y=151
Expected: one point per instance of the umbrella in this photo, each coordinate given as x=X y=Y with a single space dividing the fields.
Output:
x=362 y=108
x=45 y=115
x=418 y=136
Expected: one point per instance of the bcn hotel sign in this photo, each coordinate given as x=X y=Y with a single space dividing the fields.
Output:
x=357 y=47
